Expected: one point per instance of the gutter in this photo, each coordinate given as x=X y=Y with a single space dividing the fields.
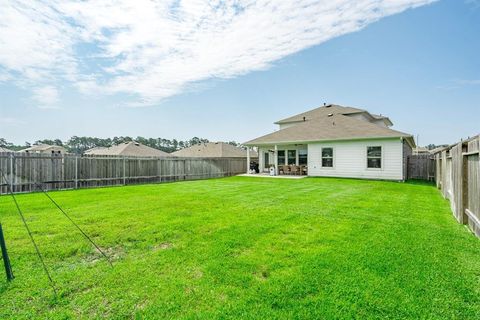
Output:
x=253 y=144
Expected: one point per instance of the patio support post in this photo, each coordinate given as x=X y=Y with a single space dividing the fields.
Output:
x=275 y=160
x=248 y=160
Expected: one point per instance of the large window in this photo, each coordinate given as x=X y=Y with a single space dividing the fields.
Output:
x=327 y=157
x=302 y=157
x=374 y=157
x=292 y=156
x=281 y=157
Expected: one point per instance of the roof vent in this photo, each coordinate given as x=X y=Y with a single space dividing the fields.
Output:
x=330 y=114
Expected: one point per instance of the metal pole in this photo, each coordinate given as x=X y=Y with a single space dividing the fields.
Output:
x=6 y=260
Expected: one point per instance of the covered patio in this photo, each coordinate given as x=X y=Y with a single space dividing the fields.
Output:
x=291 y=160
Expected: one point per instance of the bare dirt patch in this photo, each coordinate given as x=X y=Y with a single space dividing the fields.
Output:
x=113 y=253
x=163 y=246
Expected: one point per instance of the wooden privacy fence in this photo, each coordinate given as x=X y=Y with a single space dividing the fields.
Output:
x=458 y=177
x=27 y=172
x=421 y=167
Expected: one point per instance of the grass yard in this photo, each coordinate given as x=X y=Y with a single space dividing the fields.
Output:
x=244 y=248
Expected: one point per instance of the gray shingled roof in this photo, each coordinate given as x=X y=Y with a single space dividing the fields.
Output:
x=334 y=127
x=43 y=147
x=3 y=149
x=321 y=112
x=128 y=149
x=214 y=150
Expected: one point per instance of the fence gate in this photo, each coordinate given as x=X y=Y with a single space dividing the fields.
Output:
x=421 y=167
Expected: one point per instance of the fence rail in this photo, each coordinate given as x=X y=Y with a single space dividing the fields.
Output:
x=458 y=178
x=28 y=172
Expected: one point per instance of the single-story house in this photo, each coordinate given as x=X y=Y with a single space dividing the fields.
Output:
x=128 y=149
x=214 y=150
x=45 y=148
x=335 y=141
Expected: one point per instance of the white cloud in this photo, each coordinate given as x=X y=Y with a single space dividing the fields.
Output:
x=152 y=50
x=46 y=97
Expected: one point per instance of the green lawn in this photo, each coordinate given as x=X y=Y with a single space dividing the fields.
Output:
x=244 y=248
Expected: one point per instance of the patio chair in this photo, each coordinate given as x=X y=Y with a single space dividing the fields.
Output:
x=304 y=170
x=295 y=170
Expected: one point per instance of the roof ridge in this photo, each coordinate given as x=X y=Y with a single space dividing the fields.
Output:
x=343 y=109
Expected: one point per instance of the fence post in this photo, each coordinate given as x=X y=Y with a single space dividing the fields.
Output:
x=11 y=172
x=76 y=172
x=464 y=204
x=124 y=177
x=184 y=169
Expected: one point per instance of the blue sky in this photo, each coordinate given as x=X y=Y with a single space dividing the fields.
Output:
x=420 y=66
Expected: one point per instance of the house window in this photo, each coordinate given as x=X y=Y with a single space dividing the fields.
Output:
x=327 y=157
x=292 y=156
x=374 y=157
x=266 y=160
x=281 y=157
x=302 y=157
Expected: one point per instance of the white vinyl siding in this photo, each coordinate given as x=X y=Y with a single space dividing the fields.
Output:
x=350 y=159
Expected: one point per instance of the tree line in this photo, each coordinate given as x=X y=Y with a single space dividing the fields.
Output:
x=79 y=145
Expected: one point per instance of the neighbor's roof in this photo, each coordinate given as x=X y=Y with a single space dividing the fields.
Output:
x=334 y=127
x=42 y=147
x=438 y=149
x=421 y=149
x=128 y=149
x=3 y=149
x=214 y=150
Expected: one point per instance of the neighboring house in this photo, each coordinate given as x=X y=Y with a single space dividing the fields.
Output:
x=438 y=149
x=420 y=150
x=128 y=149
x=3 y=149
x=45 y=148
x=336 y=141
x=214 y=150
